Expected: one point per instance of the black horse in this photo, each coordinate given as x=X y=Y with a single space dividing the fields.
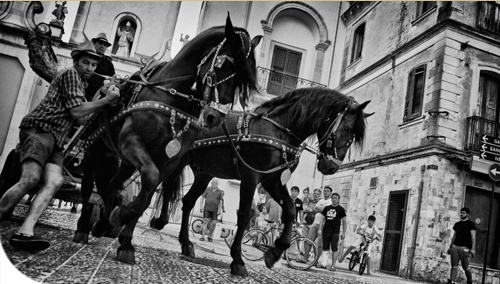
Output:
x=156 y=131
x=269 y=143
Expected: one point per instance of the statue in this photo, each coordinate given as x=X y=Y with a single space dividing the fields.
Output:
x=60 y=13
x=184 y=39
x=126 y=37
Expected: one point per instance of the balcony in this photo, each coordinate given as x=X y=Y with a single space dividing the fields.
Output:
x=278 y=83
x=488 y=16
x=476 y=127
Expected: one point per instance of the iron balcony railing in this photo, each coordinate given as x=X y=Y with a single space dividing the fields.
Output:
x=278 y=83
x=477 y=127
x=488 y=16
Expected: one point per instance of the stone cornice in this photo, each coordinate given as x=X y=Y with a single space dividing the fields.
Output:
x=356 y=8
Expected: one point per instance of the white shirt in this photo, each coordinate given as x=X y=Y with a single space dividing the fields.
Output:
x=318 y=218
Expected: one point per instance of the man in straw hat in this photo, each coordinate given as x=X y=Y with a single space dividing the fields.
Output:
x=42 y=135
x=104 y=67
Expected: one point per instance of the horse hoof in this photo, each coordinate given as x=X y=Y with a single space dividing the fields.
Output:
x=125 y=256
x=238 y=269
x=188 y=250
x=270 y=259
x=98 y=230
x=114 y=232
x=81 y=237
x=156 y=224
x=114 y=218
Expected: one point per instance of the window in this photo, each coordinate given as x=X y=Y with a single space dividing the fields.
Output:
x=415 y=93
x=488 y=102
x=357 y=45
x=424 y=6
x=284 y=71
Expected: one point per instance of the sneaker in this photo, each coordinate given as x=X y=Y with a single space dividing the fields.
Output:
x=319 y=265
x=209 y=239
x=28 y=243
x=301 y=260
x=332 y=268
x=202 y=239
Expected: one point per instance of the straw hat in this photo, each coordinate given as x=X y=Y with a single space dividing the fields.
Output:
x=102 y=38
x=85 y=48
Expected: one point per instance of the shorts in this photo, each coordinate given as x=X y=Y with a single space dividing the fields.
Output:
x=330 y=240
x=459 y=253
x=212 y=215
x=40 y=146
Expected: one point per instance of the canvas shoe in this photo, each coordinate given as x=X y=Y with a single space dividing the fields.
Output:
x=28 y=243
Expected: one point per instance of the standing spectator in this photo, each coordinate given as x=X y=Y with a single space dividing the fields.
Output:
x=298 y=204
x=274 y=210
x=316 y=227
x=211 y=206
x=104 y=67
x=42 y=136
x=463 y=244
x=366 y=231
x=334 y=214
x=305 y=196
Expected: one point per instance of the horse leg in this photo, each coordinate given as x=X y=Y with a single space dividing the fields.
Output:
x=126 y=251
x=83 y=225
x=200 y=183
x=247 y=190
x=111 y=198
x=280 y=193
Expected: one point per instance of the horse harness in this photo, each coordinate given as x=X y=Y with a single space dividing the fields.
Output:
x=244 y=136
x=166 y=109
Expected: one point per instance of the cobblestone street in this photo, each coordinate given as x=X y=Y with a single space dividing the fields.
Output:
x=158 y=259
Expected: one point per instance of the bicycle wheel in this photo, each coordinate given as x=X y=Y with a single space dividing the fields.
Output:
x=254 y=244
x=362 y=264
x=197 y=226
x=296 y=254
x=353 y=260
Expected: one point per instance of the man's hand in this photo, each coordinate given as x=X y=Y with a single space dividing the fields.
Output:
x=342 y=236
x=448 y=251
x=112 y=93
x=201 y=210
x=472 y=252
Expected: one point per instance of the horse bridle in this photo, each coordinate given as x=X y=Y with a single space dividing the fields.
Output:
x=210 y=77
x=329 y=138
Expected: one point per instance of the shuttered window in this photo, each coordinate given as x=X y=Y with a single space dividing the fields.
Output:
x=284 y=71
x=415 y=93
x=357 y=45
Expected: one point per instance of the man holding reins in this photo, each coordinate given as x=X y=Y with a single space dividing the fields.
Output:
x=43 y=133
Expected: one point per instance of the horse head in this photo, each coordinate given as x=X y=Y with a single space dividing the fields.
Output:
x=227 y=73
x=335 y=140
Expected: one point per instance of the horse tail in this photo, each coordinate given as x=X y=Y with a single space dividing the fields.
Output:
x=172 y=187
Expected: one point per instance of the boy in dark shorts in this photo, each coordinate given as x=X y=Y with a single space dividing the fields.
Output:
x=334 y=216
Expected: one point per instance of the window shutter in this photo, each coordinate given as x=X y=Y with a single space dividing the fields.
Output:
x=409 y=96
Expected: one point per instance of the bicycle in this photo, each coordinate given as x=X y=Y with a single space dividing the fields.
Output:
x=257 y=241
x=197 y=227
x=360 y=256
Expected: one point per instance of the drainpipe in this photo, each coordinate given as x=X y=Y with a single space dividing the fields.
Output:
x=411 y=257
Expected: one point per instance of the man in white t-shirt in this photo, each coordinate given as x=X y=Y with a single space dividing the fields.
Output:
x=366 y=231
x=318 y=221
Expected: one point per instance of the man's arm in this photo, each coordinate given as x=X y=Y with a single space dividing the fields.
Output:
x=452 y=240
x=87 y=108
x=473 y=238
x=202 y=200
x=344 y=227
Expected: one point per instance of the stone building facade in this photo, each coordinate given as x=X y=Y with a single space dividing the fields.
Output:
x=432 y=78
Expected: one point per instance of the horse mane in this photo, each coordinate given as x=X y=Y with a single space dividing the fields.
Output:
x=310 y=107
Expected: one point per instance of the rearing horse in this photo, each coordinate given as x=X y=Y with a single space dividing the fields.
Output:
x=269 y=144
x=163 y=123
